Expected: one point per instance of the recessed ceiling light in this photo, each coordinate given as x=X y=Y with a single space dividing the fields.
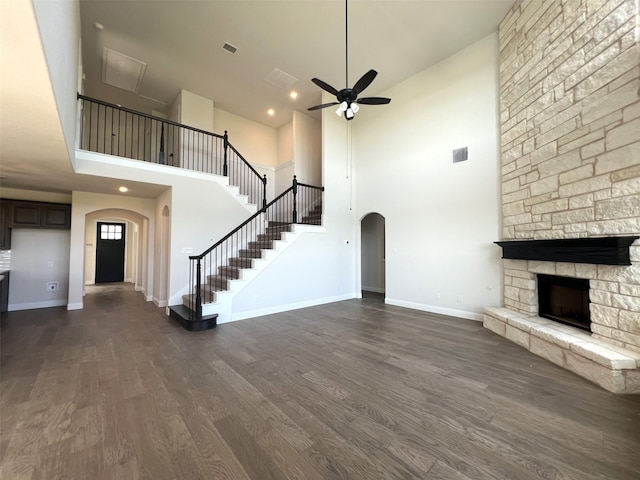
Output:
x=293 y=94
x=271 y=112
x=123 y=189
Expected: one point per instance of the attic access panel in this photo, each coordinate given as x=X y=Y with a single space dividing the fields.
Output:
x=120 y=70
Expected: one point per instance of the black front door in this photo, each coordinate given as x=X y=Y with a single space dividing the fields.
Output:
x=110 y=252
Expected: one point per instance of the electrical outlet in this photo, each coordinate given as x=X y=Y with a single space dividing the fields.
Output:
x=459 y=298
x=52 y=286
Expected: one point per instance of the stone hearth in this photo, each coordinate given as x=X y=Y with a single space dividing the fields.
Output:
x=614 y=368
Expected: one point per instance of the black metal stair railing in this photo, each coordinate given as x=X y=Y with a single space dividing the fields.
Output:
x=114 y=130
x=211 y=271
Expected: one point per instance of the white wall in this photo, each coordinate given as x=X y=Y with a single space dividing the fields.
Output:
x=285 y=143
x=307 y=149
x=441 y=218
x=257 y=143
x=59 y=25
x=38 y=256
x=285 y=170
x=34 y=195
x=196 y=111
x=372 y=253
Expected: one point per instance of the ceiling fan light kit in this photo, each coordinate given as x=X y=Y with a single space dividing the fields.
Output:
x=347 y=98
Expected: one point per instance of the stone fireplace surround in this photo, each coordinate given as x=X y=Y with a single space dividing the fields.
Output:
x=570 y=157
x=598 y=357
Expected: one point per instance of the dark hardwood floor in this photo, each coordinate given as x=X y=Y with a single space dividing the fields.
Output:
x=351 y=390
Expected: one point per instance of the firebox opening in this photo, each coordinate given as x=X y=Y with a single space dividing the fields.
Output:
x=565 y=300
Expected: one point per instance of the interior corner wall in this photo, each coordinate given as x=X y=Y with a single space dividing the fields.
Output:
x=257 y=143
x=284 y=172
x=441 y=217
x=307 y=149
x=59 y=25
x=196 y=111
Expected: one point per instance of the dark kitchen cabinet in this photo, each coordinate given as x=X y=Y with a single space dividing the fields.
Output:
x=39 y=215
x=5 y=231
x=24 y=214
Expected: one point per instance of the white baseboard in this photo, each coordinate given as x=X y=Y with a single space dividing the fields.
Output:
x=35 y=305
x=159 y=303
x=291 y=306
x=138 y=288
x=75 y=306
x=435 y=309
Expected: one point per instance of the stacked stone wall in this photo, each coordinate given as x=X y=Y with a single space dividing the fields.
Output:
x=570 y=142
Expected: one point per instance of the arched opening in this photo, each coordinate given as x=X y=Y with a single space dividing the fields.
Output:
x=134 y=261
x=372 y=254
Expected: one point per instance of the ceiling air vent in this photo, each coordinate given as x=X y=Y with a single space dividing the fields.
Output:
x=122 y=71
x=227 y=47
x=280 y=79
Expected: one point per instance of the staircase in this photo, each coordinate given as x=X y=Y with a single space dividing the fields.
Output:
x=225 y=268
x=221 y=271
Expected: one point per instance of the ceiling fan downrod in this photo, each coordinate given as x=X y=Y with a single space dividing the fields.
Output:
x=347 y=98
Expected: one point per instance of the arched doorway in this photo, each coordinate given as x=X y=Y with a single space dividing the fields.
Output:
x=135 y=249
x=372 y=254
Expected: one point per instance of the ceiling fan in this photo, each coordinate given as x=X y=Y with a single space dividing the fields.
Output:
x=347 y=98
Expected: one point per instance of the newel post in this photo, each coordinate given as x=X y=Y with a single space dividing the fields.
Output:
x=264 y=192
x=198 y=290
x=226 y=147
x=295 y=199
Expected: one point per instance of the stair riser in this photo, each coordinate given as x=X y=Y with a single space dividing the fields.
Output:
x=277 y=229
x=250 y=253
x=229 y=272
x=261 y=245
x=218 y=283
x=241 y=262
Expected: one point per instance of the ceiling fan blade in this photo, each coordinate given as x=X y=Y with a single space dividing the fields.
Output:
x=364 y=81
x=325 y=86
x=373 y=100
x=324 y=105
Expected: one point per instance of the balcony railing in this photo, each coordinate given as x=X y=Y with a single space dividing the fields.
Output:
x=114 y=130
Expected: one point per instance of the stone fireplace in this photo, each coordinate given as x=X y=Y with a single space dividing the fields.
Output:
x=570 y=152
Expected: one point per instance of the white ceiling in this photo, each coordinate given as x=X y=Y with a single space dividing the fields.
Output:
x=181 y=42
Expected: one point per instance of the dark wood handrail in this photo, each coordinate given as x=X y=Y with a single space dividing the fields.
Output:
x=239 y=227
x=151 y=117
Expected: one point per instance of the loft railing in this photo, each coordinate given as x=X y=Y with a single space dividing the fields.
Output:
x=115 y=130
x=211 y=271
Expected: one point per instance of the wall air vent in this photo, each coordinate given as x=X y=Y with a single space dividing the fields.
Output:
x=227 y=47
x=122 y=71
x=280 y=79
x=460 y=154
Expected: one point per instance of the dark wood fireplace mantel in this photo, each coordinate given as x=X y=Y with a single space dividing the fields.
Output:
x=598 y=250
